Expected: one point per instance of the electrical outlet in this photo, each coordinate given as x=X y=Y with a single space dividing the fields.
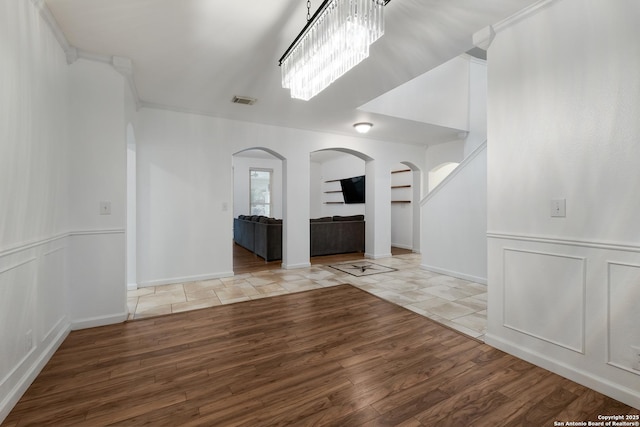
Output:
x=636 y=357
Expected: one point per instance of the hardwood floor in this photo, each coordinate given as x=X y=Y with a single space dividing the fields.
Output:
x=335 y=356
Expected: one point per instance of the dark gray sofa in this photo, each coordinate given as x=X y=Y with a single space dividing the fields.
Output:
x=328 y=235
x=337 y=235
x=260 y=235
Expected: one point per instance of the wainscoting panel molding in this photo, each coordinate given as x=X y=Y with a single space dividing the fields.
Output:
x=33 y=300
x=623 y=314
x=542 y=279
x=568 y=306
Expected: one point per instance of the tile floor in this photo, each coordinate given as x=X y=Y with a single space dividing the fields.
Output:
x=457 y=303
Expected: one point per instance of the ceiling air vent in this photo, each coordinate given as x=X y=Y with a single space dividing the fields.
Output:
x=244 y=100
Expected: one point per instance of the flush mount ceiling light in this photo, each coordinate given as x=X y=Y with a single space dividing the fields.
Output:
x=335 y=39
x=363 y=127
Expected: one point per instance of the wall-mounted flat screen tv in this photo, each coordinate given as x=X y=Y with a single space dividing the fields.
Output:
x=353 y=189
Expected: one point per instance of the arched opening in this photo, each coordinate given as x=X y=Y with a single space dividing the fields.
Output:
x=439 y=173
x=258 y=188
x=405 y=211
x=338 y=181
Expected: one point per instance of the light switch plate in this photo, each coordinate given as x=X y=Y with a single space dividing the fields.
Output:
x=105 y=208
x=558 y=208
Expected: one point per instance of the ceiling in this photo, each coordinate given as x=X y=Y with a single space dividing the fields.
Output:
x=195 y=55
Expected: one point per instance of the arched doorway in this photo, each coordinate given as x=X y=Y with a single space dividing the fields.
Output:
x=258 y=183
x=405 y=211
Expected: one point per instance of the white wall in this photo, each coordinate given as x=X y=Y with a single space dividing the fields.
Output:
x=97 y=171
x=315 y=190
x=563 y=124
x=439 y=154
x=443 y=100
x=34 y=315
x=185 y=176
x=454 y=222
x=344 y=166
x=477 y=105
x=241 y=168
x=184 y=184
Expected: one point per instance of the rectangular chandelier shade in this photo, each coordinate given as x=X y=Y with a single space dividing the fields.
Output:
x=335 y=39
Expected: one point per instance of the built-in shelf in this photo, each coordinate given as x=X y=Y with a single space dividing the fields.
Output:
x=401 y=170
x=401 y=201
x=333 y=180
x=401 y=186
x=336 y=191
x=334 y=203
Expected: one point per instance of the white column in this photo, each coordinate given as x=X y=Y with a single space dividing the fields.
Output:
x=295 y=229
x=378 y=210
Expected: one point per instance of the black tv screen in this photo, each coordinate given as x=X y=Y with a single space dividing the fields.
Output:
x=353 y=189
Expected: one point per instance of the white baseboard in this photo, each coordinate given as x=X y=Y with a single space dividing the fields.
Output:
x=587 y=379
x=184 y=279
x=295 y=266
x=9 y=401
x=377 y=256
x=99 y=321
x=132 y=286
x=471 y=278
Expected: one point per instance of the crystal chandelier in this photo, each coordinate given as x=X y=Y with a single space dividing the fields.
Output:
x=334 y=40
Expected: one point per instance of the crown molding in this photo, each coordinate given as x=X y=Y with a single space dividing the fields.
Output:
x=484 y=37
x=48 y=17
x=121 y=64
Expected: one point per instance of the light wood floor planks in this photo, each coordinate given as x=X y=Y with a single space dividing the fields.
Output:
x=334 y=356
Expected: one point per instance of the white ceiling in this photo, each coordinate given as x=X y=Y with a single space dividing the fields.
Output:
x=195 y=55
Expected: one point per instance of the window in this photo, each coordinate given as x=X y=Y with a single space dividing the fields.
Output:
x=260 y=191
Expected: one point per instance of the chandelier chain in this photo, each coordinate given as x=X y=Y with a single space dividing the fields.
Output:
x=308 y=10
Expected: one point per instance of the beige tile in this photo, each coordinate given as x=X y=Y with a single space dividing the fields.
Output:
x=145 y=302
x=288 y=277
x=470 y=287
x=260 y=281
x=319 y=275
x=395 y=297
x=132 y=302
x=270 y=294
x=201 y=295
x=229 y=293
x=235 y=277
x=157 y=310
x=270 y=288
x=300 y=285
x=472 y=321
x=234 y=300
x=249 y=290
x=457 y=303
x=467 y=331
x=195 y=305
x=447 y=293
x=141 y=291
x=326 y=283
x=169 y=288
x=451 y=310
x=398 y=285
x=473 y=302
x=193 y=287
x=418 y=295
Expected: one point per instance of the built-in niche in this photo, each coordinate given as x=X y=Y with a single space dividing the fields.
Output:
x=404 y=207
